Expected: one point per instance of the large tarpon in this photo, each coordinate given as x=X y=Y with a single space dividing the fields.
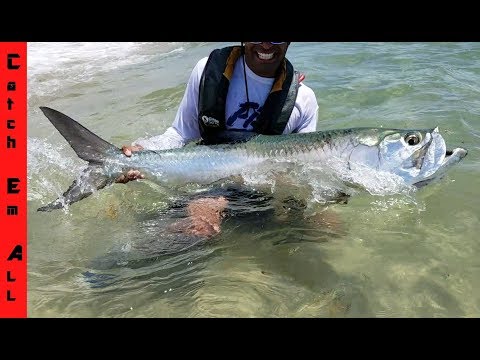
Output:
x=417 y=156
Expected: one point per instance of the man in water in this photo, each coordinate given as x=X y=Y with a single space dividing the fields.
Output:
x=236 y=91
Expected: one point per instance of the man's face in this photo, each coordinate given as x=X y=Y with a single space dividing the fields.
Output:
x=264 y=57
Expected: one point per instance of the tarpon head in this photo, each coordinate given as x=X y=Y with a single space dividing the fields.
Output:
x=417 y=156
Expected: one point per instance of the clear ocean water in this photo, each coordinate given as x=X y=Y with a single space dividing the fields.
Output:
x=382 y=254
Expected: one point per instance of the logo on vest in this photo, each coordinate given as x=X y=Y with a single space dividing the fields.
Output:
x=210 y=121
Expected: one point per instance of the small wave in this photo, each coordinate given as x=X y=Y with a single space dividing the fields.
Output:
x=52 y=66
x=47 y=169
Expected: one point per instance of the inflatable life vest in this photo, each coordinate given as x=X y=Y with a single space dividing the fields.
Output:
x=213 y=93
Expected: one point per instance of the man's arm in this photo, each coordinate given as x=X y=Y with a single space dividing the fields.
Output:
x=183 y=129
x=168 y=140
x=304 y=116
x=185 y=126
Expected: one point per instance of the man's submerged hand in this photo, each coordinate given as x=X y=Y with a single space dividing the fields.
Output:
x=129 y=176
x=204 y=217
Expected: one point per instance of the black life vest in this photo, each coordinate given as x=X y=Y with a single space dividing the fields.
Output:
x=213 y=94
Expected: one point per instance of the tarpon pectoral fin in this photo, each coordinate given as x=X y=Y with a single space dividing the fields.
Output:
x=92 y=179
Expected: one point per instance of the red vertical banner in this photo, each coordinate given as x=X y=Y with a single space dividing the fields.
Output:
x=13 y=179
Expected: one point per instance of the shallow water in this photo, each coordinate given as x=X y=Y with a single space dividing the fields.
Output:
x=402 y=254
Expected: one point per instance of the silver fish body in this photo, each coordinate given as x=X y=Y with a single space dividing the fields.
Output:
x=417 y=156
x=358 y=148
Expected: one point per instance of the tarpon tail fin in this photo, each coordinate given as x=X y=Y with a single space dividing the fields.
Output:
x=92 y=179
x=88 y=147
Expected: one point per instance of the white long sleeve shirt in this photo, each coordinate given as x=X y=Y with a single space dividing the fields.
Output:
x=185 y=126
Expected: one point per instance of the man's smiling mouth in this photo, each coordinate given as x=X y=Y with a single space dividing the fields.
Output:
x=264 y=56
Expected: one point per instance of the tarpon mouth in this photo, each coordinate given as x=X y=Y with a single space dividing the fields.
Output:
x=455 y=155
x=451 y=157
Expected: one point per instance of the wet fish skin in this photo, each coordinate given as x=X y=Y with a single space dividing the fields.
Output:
x=418 y=156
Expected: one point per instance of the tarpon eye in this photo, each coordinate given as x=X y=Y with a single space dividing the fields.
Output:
x=413 y=138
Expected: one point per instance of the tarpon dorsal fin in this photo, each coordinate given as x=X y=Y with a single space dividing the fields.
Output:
x=86 y=144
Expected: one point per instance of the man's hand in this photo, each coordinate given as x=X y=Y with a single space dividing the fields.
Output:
x=131 y=174
x=127 y=150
